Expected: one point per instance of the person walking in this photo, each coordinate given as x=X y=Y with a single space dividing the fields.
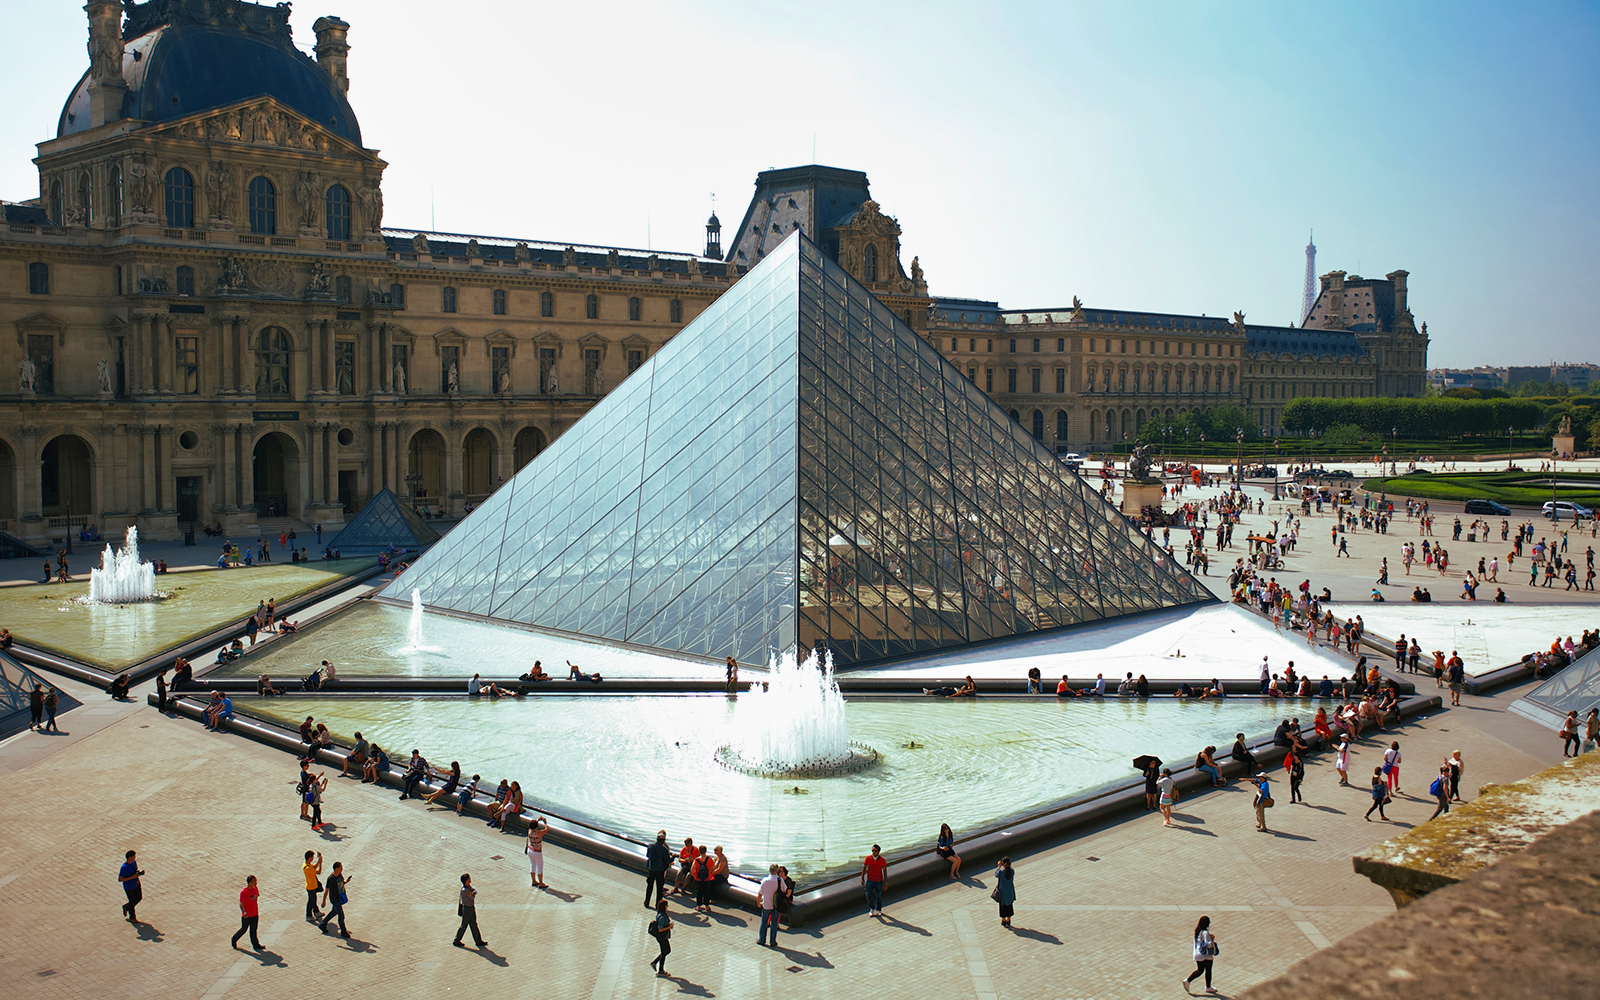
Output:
x=468 y=909
x=249 y=914
x=1295 y=764
x=1380 y=794
x=768 y=893
x=52 y=702
x=657 y=859
x=1167 y=788
x=129 y=876
x=313 y=872
x=334 y=897
x=535 y=851
x=875 y=877
x=660 y=928
x=1005 y=890
x=1262 y=800
x=36 y=708
x=1440 y=790
x=1205 y=952
x=1457 y=768
x=1569 y=735
x=1391 y=767
x=1341 y=760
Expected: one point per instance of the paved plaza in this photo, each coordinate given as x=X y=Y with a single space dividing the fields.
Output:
x=1105 y=913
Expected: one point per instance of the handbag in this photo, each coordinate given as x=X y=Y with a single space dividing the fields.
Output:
x=1267 y=803
x=994 y=894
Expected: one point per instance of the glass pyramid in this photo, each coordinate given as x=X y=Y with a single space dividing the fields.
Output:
x=16 y=681
x=1574 y=689
x=798 y=466
x=383 y=522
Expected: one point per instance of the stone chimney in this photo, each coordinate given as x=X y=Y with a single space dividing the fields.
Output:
x=1399 y=279
x=106 y=85
x=332 y=50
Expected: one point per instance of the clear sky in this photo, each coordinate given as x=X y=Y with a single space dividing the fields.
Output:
x=1168 y=156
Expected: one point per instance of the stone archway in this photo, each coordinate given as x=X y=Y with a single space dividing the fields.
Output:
x=529 y=443
x=275 y=472
x=66 y=480
x=479 y=459
x=426 y=460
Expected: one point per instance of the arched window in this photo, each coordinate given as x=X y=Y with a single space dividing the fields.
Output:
x=547 y=304
x=263 y=198
x=1038 y=425
x=185 y=279
x=633 y=308
x=675 y=310
x=499 y=298
x=591 y=307
x=449 y=296
x=180 y=199
x=55 y=203
x=1016 y=417
x=338 y=212
x=114 y=197
x=1061 y=425
x=85 y=202
x=869 y=263
x=272 y=362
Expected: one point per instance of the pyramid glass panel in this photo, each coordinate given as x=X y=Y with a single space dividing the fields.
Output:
x=798 y=466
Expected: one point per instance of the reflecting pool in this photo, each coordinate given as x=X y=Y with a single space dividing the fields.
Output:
x=633 y=765
x=114 y=636
x=374 y=639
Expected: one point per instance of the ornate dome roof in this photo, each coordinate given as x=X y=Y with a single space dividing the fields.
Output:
x=181 y=57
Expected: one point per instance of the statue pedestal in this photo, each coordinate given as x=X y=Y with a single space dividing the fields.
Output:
x=1137 y=496
x=1564 y=445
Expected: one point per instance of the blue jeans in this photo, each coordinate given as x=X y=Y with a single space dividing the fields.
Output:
x=1035 y=687
x=769 y=918
x=1216 y=776
x=874 y=895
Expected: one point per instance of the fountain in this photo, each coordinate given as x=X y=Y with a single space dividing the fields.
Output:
x=122 y=577
x=795 y=726
x=414 y=643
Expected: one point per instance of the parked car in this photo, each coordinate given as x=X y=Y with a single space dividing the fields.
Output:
x=1563 y=510
x=1487 y=507
x=1339 y=474
x=1073 y=459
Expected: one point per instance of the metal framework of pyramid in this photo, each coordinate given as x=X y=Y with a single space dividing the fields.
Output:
x=385 y=521
x=1574 y=689
x=798 y=467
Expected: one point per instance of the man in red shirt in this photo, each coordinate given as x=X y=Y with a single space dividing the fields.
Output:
x=684 y=857
x=875 y=876
x=249 y=916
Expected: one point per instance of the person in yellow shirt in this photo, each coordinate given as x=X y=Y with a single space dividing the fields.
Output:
x=313 y=885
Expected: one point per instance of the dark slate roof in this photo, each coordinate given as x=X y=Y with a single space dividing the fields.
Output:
x=31 y=215
x=181 y=58
x=834 y=195
x=967 y=310
x=1296 y=340
x=453 y=246
x=1125 y=317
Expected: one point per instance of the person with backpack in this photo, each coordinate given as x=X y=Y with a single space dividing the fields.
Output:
x=660 y=928
x=1440 y=790
x=1205 y=952
x=302 y=785
x=700 y=874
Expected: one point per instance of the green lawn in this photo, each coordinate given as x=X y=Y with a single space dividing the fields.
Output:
x=1521 y=488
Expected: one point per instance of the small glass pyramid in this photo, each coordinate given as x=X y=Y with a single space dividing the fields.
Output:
x=385 y=521
x=798 y=466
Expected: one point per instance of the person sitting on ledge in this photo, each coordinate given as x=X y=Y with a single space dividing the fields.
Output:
x=1063 y=689
x=1098 y=690
x=1184 y=691
x=1241 y=752
x=119 y=688
x=287 y=627
x=6 y=639
x=1274 y=690
x=966 y=690
x=1499 y=596
x=574 y=674
x=1125 y=687
x=264 y=687
x=1325 y=689
x=536 y=674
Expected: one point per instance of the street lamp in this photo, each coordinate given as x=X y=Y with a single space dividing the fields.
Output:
x=1311 y=448
x=1394 y=456
x=1238 y=468
x=412 y=482
x=1510 y=430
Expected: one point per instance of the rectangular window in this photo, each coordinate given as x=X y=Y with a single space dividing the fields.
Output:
x=990 y=348
x=449 y=300
x=1013 y=347
x=38 y=278
x=500 y=364
x=1061 y=345
x=1011 y=380
x=547 y=304
x=1208 y=350
x=988 y=380
x=185 y=280
x=344 y=367
x=42 y=352
x=972 y=345
x=1124 y=346
x=1138 y=347
x=591 y=307
x=547 y=368
x=675 y=311
x=341 y=289
x=591 y=371
x=635 y=309
x=186 y=355
x=400 y=367
x=635 y=360
x=499 y=301
x=1036 y=345
x=1037 y=374
x=1166 y=348
x=955 y=345
x=449 y=368
x=1061 y=380
x=972 y=375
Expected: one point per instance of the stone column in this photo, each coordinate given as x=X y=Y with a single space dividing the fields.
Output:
x=385 y=361
x=222 y=325
x=147 y=469
x=167 y=485
x=227 y=487
x=451 y=487
x=247 y=360
x=329 y=383
x=312 y=465
x=244 y=459
x=134 y=365
x=378 y=450
x=30 y=475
